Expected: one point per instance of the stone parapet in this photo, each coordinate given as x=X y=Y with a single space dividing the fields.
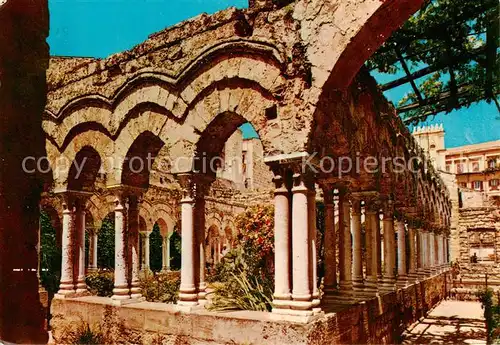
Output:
x=368 y=322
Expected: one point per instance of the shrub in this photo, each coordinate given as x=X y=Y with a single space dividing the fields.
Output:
x=81 y=333
x=244 y=288
x=491 y=314
x=247 y=272
x=100 y=283
x=161 y=287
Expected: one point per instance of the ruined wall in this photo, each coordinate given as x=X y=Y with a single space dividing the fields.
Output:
x=378 y=321
x=479 y=229
x=259 y=173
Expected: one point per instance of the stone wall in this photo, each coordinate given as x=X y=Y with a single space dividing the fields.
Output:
x=377 y=321
x=478 y=231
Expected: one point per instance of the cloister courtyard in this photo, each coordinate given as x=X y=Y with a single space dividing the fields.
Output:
x=150 y=219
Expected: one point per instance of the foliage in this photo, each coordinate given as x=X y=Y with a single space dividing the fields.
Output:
x=175 y=251
x=161 y=287
x=256 y=229
x=454 y=46
x=83 y=334
x=156 y=249
x=246 y=287
x=491 y=314
x=246 y=272
x=50 y=255
x=100 y=283
x=106 y=244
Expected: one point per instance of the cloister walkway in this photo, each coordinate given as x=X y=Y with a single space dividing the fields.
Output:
x=451 y=322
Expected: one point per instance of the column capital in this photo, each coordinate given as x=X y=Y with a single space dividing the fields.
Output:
x=282 y=181
x=388 y=209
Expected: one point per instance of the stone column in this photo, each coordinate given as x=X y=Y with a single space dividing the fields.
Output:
x=66 y=285
x=427 y=252
x=402 y=277
x=147 y=251
x=412 y=269
x=432 y=244
x=313 y=259
x=301 y=251
x=345 y=253
x=199 y=213
x=421 y=254
x=121 y=289
x=166 y=253
x=330 y=241
x=389 y=279
x=372 y=269
x=188 y=295
x=282 y=243
x=357 y=246
x=135 y=261
x=439 y=254
x=378 y=234
x=93 y=250
x=80 y=285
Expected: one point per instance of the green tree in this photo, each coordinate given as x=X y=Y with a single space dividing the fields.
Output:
x=50 y=255
x=155 y=249
x=106 y=244
x=175 y=251
x=453 y=45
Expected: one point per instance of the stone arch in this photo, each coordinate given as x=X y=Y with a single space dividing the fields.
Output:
x=137 y=165
x=99 y=206
x=163 y=215
x=173 y=97
x=98 y=141
x=84 y=169
x=146 y=213
x=336 y=58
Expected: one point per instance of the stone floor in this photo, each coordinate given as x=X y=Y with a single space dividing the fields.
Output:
x=451 y=322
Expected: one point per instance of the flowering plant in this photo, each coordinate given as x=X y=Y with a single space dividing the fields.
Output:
x=256 y=228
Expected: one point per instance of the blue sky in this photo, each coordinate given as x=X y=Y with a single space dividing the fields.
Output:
x=99 y=28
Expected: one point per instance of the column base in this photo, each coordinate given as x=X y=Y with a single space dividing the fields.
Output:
x=81 y=288
x=292 y=315
x=281 y=303
x=65 y=294
x=371 y=286
x=186 y=306
x=402 y=282
x=388 y=285
x=303 y=306
x=188 y=298
x=130 y=300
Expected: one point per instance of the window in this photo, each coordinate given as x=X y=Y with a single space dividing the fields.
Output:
x=448 y=168
x=463 y=184
x=460 y=168
x=477 y=185
x=433 y=146
x=492 y=163
x=494 y=184
x=475 y=166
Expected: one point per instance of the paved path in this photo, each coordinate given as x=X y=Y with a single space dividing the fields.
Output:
x=451 y=322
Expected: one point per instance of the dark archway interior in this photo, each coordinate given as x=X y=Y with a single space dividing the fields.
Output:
x=84 y=169
x=139 y=160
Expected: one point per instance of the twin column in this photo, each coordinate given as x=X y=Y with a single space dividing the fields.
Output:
x=296 y=291
x=193 y=286
x=73 y=246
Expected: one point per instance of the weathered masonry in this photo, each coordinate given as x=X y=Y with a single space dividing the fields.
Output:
x=293 y=71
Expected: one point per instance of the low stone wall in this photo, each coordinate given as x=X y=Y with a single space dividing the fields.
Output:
x=377 y=321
